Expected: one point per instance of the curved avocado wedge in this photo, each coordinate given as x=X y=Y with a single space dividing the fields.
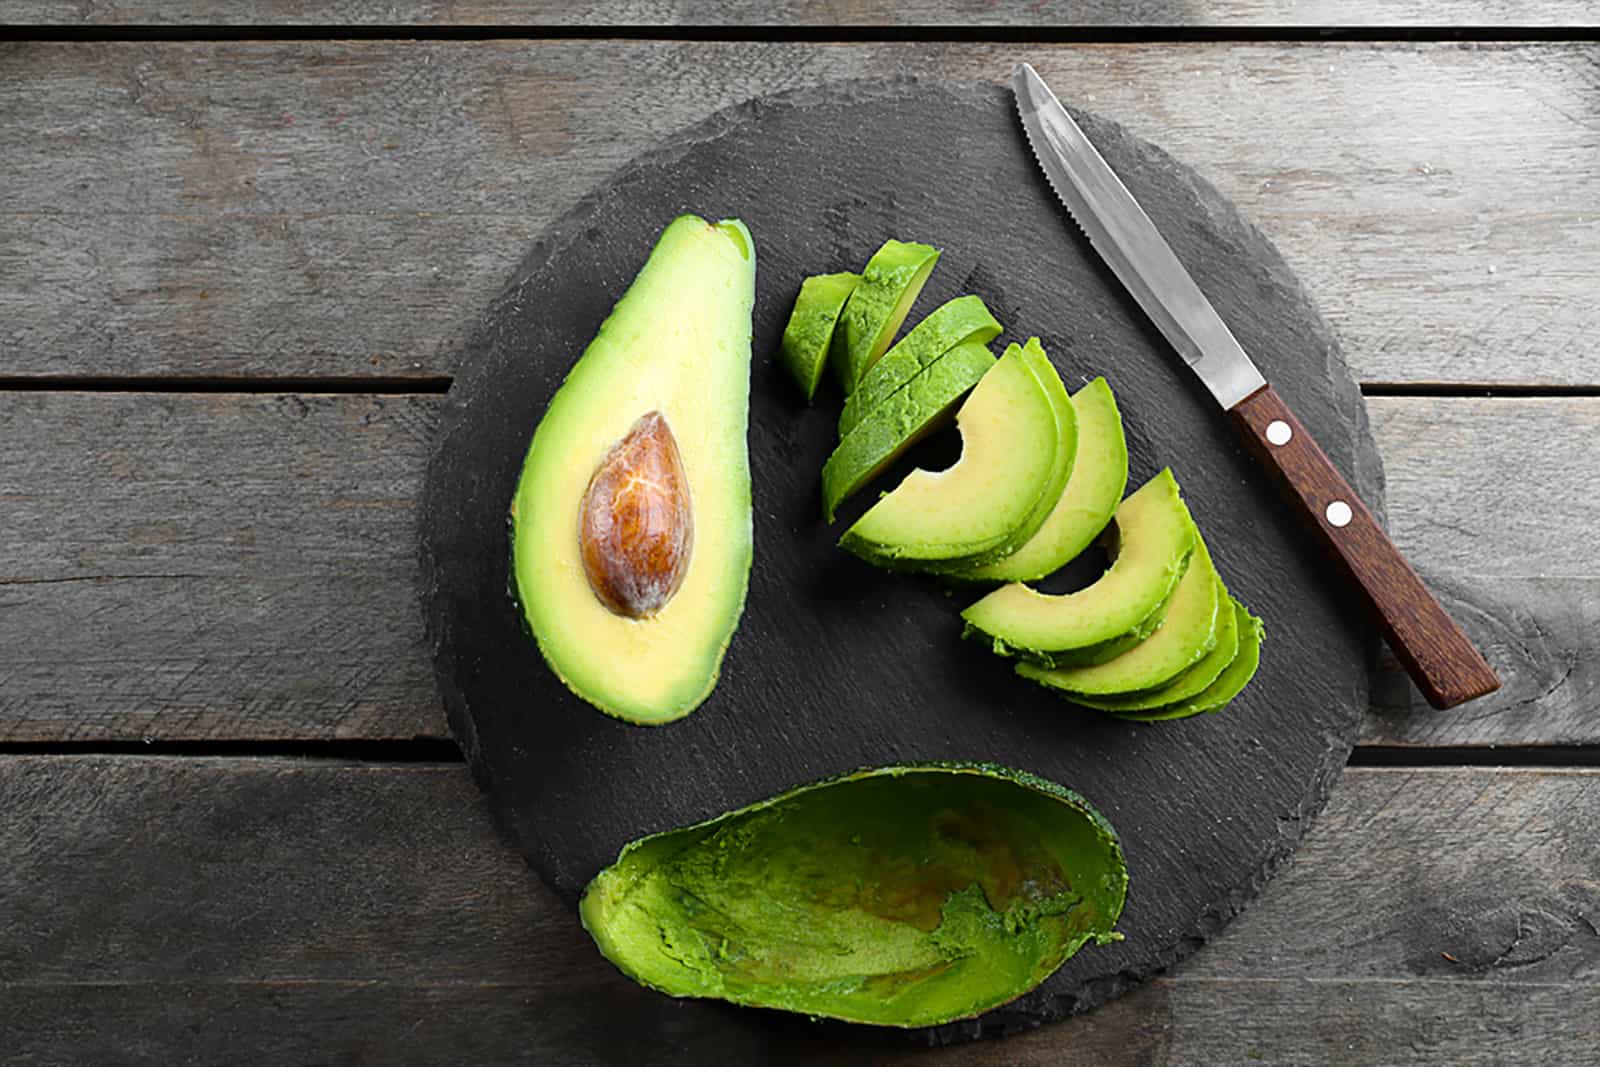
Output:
x=1099 y=478
x=809 y=334
x=1229 y=684
x=900 y=422
x=963 y=320
x=647 y=433
x=889 y=286
x=1183 y=638
x=979 y=508
x=898 y=896
x=1066 y=453
x=1191 y=681
x=1155 y=538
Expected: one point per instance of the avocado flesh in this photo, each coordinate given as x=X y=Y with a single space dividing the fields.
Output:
x=900 y=422
x=978 y=508
x=678 y=343
x=963 y=320
x=1184 y=637
x=898 y=896
x=809 y=334
x=1190 y=682
x=889 y=286
x=1066 y=452
x=1229 y=684
x=1156 y=537
x=1099 y=478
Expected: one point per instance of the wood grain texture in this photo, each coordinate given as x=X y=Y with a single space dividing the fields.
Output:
x=1041 y=14
x=277 y=910
x=220 y=566
x=1438 y=656
x=345 y=209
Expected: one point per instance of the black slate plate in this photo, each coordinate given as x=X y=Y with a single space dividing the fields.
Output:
x=837 y=665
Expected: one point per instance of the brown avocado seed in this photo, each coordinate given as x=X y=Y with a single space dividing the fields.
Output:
x=636 y=530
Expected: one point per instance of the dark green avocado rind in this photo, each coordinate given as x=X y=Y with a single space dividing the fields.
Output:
x=1192 y=681
x=900 y=422
x=809 y=334
x=889 y=286
x=902 y=896
x=1229 y=684
x=963 y=320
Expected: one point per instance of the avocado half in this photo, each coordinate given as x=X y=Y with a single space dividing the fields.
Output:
x=899 y=896
x=631 y=524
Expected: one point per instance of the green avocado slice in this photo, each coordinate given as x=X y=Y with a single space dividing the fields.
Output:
x=1192 y=681
x=979 y=508
x=897 y=896
x=1229 y=684
x=1099 y=478
x=889 y=286
x=673 y=358
x=809 y=334
x=1156 y=538
x=1183 y=638
x=1066 y=452
x=963 y=320
x=901 y=421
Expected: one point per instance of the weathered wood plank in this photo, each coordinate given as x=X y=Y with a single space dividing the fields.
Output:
x=190 y=566
x=277 y=910
x=1040 y=14
x=344 y=209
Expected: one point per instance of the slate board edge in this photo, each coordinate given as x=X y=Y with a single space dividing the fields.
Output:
x=1367 y=477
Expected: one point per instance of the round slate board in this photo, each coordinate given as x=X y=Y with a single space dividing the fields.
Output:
x=837 y=665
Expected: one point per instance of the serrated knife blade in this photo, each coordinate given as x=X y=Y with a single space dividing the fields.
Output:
x=1438 y=655
x=1130 y=244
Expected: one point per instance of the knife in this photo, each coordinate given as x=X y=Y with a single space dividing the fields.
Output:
x=1440 y=658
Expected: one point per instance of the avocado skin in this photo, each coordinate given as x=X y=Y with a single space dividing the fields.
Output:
x=809 y=335
x=900 y=421
x=1229 y=684
x=904 y=896
x=960 y=321
x=889 y=286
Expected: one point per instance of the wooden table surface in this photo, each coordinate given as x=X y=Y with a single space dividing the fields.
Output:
x=236 y=248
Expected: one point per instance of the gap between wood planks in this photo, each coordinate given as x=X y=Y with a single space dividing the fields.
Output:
x=436 y=384
x=813 y=34
x=442 y=750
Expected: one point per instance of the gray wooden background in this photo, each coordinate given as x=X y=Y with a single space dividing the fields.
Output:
x=234 y=252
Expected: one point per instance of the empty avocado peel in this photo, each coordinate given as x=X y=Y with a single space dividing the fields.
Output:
x=899 y=896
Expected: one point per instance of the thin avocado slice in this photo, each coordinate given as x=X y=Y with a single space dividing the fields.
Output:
x=963 y=320
x=1099 y=478
x=1183 y=638
x=978 y=508
x=1190 y=682
x=809 y=334
x=898 y=896
x=889 y=286
x=1155 y=538
x=901 y=421
x=1229 y=684
x=650 y=422
x=1066 y=446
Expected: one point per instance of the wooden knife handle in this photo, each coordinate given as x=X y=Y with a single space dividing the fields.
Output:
x=1440 y=658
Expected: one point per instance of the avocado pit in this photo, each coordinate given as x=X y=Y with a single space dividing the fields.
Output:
x=636 y=526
